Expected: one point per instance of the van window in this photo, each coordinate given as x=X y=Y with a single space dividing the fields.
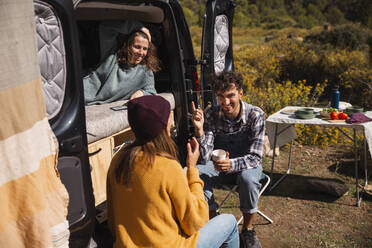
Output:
x=51 y=54
x=221 y=42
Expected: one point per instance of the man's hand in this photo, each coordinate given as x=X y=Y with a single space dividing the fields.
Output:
x=136 y=94
x=192 y=153
x=197 y=120
x=223 y=165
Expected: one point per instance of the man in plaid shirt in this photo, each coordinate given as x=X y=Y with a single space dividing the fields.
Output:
x=238 y=128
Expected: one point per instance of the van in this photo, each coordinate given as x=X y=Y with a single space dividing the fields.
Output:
x=88 y=135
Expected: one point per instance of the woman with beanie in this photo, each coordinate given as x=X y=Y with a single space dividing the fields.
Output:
x=151 y=202
x=127 y=69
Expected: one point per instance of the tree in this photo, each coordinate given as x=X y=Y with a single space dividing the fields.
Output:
x=296 y=9
x=313 y=11
x=335 y=16
x=366 y=13
x=246 y=15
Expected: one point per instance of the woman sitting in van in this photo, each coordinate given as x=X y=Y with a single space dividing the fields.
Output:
x=151 y=201
x=126 y=72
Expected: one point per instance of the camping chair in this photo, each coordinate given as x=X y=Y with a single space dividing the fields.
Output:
x=265 y=181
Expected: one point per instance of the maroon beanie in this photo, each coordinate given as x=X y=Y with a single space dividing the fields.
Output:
x=148 y=116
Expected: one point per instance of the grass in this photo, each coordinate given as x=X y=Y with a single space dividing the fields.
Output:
x=306 y=218
x=303 y=217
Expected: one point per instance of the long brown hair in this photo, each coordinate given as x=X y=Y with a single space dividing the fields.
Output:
x=151 y=60
x=161 y=145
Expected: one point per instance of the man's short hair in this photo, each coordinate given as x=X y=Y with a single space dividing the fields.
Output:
x=227 y=79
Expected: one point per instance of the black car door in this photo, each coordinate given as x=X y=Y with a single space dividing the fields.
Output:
x=217 y=47
x=60 y=67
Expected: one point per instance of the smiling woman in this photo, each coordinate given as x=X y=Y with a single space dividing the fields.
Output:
x=125 y=73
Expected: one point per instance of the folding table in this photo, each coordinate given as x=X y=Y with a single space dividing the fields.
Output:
x=280 y=130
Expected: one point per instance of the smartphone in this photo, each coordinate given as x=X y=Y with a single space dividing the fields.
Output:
x=120 y=107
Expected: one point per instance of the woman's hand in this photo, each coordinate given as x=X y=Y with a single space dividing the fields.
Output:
x=136 y=94
x=197 y=120
x=192 y=153
x=147 y=32
x=223 y=165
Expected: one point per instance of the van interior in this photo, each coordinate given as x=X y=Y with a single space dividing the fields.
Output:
x=89 y=16
x=107 y=129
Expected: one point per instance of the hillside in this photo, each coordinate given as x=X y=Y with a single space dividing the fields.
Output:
x=288 y=13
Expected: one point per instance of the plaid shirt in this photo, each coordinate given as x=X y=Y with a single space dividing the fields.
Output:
x=251 y=119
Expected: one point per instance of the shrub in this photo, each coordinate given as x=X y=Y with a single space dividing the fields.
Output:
x=276 y=75
x=335 y=16
x=196 y=36
x=279 y=95
x=191 y=17
x=348 y=36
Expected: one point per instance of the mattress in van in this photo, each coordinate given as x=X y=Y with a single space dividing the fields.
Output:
x=103 y=122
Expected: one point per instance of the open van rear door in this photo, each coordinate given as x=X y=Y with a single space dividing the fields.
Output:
x=217 y=47
x=60 y=69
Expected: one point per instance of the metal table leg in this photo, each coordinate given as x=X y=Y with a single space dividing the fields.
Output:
x=365 y=162
x=273 y=158
x=356 y=169
x=288 y=169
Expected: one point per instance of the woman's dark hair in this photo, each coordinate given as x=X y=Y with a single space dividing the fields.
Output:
x=226 y=79
x=151 y=60
x=161 y=145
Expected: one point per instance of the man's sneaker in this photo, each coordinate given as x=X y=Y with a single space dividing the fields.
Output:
x=249 y=239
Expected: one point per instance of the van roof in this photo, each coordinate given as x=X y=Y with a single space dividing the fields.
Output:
x=117 y=11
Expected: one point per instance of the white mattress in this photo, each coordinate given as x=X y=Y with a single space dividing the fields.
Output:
x=103 y=122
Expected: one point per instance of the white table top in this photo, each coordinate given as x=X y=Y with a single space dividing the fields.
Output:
x=285 y=120
x=280 y=117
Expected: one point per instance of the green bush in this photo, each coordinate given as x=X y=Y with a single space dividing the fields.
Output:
x=191 y=17
x=348 y=36
x=284 y=60
x=261 y=66
x=307 y=21
x=335 y=16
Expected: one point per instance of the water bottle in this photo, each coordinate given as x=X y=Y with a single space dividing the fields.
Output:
x=335 y=97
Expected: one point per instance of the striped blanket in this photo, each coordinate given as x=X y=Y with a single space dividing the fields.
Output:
x=33 y=201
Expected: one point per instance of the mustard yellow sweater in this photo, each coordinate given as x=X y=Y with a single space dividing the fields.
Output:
x=164 y=207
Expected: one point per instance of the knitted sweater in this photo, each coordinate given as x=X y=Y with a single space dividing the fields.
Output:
x=164 y=207
x=109 y=82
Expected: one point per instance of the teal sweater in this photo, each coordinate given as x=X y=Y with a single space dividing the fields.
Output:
x=109 y=82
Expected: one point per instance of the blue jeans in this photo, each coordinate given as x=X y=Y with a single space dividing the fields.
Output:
x=247 y=180
x=221 y=231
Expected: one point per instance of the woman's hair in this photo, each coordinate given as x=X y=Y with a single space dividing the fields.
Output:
x=151 y=60
x=161 y=145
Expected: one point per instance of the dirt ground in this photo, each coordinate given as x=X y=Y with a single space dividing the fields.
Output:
x=304 y=217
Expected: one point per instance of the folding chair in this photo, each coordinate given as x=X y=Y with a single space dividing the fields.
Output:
x=265 y=181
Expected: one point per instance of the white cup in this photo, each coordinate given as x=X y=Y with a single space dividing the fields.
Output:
x=218 y=154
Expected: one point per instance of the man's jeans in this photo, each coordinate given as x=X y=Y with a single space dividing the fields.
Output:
x=221 y=231
x=247 y=180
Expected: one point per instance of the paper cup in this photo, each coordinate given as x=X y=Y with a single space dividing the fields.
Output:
x=218 y=154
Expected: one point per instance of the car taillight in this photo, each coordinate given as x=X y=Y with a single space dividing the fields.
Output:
x=196 y=82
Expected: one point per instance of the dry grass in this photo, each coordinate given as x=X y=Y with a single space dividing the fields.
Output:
x=305 y=218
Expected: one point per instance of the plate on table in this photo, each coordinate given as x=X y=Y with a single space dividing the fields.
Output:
x=336 y=121
x=289 y=111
